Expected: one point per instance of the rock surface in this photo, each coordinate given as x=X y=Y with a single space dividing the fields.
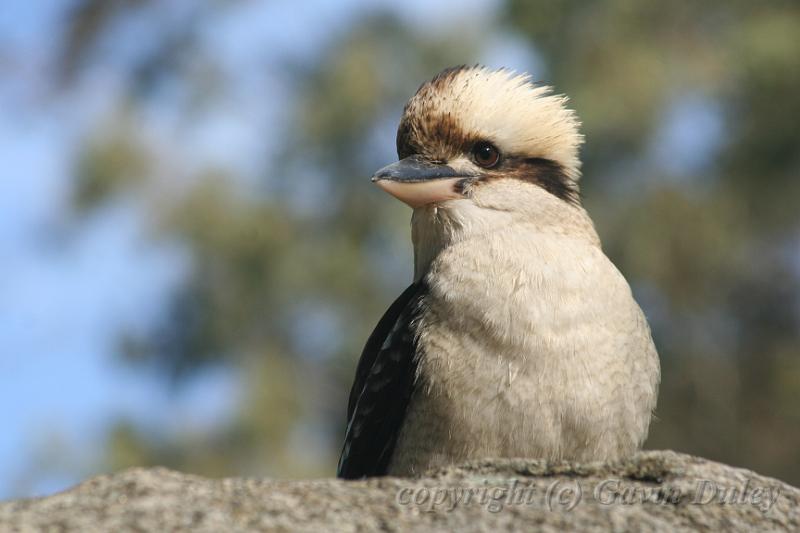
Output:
x=656 y=490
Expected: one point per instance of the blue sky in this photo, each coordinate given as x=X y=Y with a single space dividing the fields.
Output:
x=67 y=290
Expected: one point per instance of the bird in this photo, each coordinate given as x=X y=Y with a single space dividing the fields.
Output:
x=518 y=336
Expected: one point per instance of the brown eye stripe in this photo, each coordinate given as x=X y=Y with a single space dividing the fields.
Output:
x=405 y=147
x=437 y=136
x=545 y=173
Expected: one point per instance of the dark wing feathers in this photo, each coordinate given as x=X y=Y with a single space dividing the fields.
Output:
x=382 y=389
x=375 y=342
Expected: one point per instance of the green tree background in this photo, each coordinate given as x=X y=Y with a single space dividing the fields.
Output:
x=691 y=164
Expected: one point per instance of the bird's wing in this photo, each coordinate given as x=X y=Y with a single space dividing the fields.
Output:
x=382 y=389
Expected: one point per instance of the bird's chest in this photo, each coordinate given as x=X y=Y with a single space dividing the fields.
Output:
x=510 y=347
x=506 y=396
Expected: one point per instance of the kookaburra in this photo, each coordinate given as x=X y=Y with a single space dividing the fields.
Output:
x=518 y=336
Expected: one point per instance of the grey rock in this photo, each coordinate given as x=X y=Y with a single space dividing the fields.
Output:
x=655 y=490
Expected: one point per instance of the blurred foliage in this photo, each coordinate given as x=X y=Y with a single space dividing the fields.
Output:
x=289 y=276
x=111 y=163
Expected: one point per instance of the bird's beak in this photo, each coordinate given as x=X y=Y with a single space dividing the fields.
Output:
x=418 y=182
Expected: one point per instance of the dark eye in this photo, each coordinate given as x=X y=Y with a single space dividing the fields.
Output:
x=485 y=154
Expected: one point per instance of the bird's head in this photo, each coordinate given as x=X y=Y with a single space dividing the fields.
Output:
x=477 y=134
